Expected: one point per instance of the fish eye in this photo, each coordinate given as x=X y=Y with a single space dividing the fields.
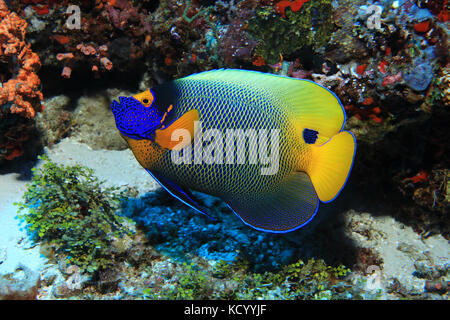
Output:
x=146 y=102
x=146 y=98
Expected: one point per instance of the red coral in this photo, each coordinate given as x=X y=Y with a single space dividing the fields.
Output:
x=368 y=101
x=366 y=113
x=420 y=177
x=361 y=68
x=62 y=39
x=295 y=5
x=422 y=27
x=439 y=8
x=42 y=7
x=258 y=61
x=382 y=66
x=41 y=10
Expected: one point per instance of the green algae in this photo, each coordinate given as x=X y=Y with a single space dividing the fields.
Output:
x=311 y=26
x=67 y=208
x=313 y=279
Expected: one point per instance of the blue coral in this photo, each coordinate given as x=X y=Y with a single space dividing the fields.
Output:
x=404 y=12
x=419 y=76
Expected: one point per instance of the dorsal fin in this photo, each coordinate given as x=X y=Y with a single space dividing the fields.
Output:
x=289 y=206
x=310 y=105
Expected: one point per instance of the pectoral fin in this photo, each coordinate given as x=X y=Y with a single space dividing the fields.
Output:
x=184 y=196
x=164 y=137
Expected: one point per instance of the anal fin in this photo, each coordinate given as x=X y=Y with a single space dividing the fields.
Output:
x=291 y=205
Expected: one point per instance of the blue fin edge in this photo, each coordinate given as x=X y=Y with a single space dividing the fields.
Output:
x=175 y=196
x=274 y=231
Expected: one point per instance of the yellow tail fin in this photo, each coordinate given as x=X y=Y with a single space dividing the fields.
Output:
x=331 y=164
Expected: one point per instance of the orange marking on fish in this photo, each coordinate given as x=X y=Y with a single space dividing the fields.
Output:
x=164 y=117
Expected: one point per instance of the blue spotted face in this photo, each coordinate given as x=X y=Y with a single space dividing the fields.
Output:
x=138 y=117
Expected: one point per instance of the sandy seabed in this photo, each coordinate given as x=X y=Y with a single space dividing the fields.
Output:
x=399 y=247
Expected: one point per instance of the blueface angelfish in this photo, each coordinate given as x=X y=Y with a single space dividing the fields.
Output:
x=208 y=119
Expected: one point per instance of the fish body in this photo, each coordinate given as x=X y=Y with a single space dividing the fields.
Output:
x=271 y=147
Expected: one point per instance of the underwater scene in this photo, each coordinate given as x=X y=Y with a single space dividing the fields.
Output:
x=224 y=150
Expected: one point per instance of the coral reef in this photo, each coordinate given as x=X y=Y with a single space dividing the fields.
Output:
x=119 y=36
x=20 y=94
x=386 y=60
x=236 y=45
x=81 y=39
x=310 y=25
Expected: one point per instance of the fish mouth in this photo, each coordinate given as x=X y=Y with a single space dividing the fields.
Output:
x=119 y=108
x=117 y=105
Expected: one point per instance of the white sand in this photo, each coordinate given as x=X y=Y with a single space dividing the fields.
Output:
x=15 y=248
x=118 y=168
